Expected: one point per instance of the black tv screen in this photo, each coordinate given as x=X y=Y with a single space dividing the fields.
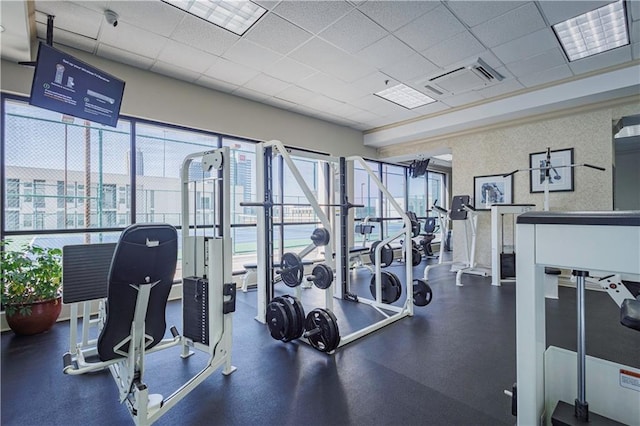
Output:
x=67 y=85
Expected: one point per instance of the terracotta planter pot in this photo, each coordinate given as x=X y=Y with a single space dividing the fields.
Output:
x=43 y=316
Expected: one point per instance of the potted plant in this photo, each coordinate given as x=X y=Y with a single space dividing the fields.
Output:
x=31 y=281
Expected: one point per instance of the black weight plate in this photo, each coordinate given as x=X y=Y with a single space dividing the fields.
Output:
x=386 y=254
x=277 y=320
x=292 y=269
x=422 y=293
x=391 y=287
x=291 y=316
x=416 y=257
x=323 y=276
x=327 y=337
x=320 y=237
x=298 y=330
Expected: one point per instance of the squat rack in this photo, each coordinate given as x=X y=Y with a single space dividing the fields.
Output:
x=265 y=152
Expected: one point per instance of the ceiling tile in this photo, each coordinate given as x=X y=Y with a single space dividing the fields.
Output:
x=119 y=55
x=133 y=39
x=430 y=29
x=501 y=88
x=549 y=59
x=186 y=57
x=287 y=69
x=601 y=60
x=431 y=108
x=546 y=76
x=203 y=35
x=323 y=103
x=250 y=94
x=231 y=72
x=277 y=34
x=67 y=38
x=331 y=87
x=513 y=24
x=385 y=52
x=476 y=12
x=266 y=84
x=374 y=82
x=97 y=5
x=313 y=16
x=174 y=71
x=372 y=103
x=248 y=53
x=214 y=83
x=462 y=99
x=395 y=14
x=557 y=11
x=524 y=47
x=454 y=49
x=342 y=34
x=315 y=53
x=296 y=94
x=154 y=16
x=415 y=66
x=70 y=17
x=280 y=103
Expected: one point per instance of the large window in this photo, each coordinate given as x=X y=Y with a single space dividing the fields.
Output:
x=393 y=178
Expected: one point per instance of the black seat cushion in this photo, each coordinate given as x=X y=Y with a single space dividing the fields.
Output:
x=145 y=254
x=630 y=313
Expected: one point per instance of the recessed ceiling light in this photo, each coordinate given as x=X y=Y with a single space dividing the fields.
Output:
x=405 y=96
x=233 y=15
x=593 y=32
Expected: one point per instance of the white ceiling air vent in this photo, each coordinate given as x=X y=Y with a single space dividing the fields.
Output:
x=475 y=76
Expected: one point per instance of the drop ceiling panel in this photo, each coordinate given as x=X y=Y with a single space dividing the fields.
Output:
x=526 y=46
x=346 y=67
x=324 y=103
x=557 y=11
x=612 y=57
x=473 y=13
x=70 y=17
x=415 y=66
x=231 y=72
x=342 y=34
x=214 y=83
x=374 y=82
x=250 y=94
x=266 y=84
x=119 y=55
x=250 y=54
x=136 y=40
x=385 y=52
x=154 y=16
x=174 y=71
x=67 y=38
x=395 y=14
x=549 y=59
x=462 y=99
x=186 y=57
x=203 y=35
x=331 y=87
x=454 y=49
x=431 y=108
x=277 y=34
x=513 y=24
x=296 y=94
x=430 y=29
x=313 y=16
x=280 y=103
x=546 y=76
x=315 y=53
x=287 y=69
x=506 y=86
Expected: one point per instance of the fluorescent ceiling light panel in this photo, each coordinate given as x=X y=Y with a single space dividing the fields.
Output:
x=594 y=32
x=405 y=96
x=235 y=16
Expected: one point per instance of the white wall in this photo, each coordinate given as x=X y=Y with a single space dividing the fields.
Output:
x=503 y=149
x=157 y=97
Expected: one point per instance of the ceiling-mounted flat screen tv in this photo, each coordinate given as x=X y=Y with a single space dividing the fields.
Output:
x=67 y=85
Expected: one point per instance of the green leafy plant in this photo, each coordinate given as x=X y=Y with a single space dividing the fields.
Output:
x=33 y=274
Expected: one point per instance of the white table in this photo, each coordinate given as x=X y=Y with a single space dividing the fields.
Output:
x=602 y=241
x=497 y=212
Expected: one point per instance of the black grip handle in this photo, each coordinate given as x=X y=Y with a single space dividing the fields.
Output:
x=509 y=174
x=174 y=331
x=252 y=204
x=602 y=169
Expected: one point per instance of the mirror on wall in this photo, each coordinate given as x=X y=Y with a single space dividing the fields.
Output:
x=626 y=177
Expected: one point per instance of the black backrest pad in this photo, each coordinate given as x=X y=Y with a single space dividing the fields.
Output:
x=145 y=253
x=430 y=225
x=457 y=212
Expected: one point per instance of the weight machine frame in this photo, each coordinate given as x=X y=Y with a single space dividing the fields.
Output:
x=338 y=245
x=215 y=319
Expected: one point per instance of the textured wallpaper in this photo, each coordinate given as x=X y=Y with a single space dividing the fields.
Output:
x=505 y=149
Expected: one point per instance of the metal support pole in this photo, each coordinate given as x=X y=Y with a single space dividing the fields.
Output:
x=344 y=220
x=268 y=222
x=581 y=405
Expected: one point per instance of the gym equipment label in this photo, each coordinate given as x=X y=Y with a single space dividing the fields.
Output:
x=630 y=380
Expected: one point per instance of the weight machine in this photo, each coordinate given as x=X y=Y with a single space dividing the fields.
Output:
x=133 y=279
x=461 y=210
x=285 y=315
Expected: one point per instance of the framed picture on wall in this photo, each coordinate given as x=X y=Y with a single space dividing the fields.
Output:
x=561 y=176
x=492 y=189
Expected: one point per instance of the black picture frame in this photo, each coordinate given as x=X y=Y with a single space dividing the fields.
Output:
x=561 y=175
x=492 y=189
